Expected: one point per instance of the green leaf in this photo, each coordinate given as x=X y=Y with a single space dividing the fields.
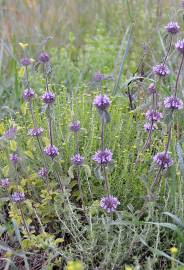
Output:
x=87 y=170
x=70 y=171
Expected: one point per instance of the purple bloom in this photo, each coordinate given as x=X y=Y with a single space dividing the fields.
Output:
x=14 y=158
x=51 y=151
x=28 y=94
x=152 y=88
x=77 y=160
x=173 y=103
x=149 y=126
x=43 y=57
x=154 y=116
x=161 y=70
x=11 y=133
x=102 y=102
x=180 y=46
x=18 y=196
x=48 y=97
x=109 y=203
x=172 y=28
x=163 y=160
x=35 y=132
x=43 y=172
x=25 y=61
x=5 y=183
x=75 y=126
x=98 y=77
x=103 y=157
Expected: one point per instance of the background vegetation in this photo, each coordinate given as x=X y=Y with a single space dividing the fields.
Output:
x=122 y=39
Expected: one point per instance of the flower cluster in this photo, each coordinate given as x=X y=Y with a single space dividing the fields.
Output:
x=43 y=57
x=15 y=158
x=43 y=173
x=173 y=103
x=18 y=197
x=75 y=126
x=11 y=133
x=180 y=46
x=48 y=97
x=154 y=116
x=150 y=126
x=25 y=61
x=172 y=28
x=161 y=70
x=51 y=151
x=109 y=203
x=29 y=94
x=35 y=132
x=77 y=160
x=98 y=77
x=152 y=88
x=163 y=159
x=5 y=183
x=103 y=157
x=102 y=102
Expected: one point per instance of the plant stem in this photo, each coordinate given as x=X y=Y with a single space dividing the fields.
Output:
x=177 y=79
x=79 y=185
x=23 y=219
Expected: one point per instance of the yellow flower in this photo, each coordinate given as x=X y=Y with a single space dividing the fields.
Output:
x=174 y=250
x=75 y=265
x=23 y=45
x=128 y=267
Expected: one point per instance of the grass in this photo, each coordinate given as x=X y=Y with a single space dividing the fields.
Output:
x=123 y=40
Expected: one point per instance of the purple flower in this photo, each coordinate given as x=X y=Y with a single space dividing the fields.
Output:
x=43 y=57
x=35 y=132
x=154 y=116
x=25 y=61
x=172 y=28
x=163 y=160
x=173 y=103
x=152 y=88
x=18 y=196
x=149 y=126
x=75 y=126
x=5 y=183
x=180 y=46
x=43 y=172
x=11 y=133
x=48 y=97
x=102 y=102
x=77 y=160
x=14 y=158
x=103 y=157
x=51 y=151
x=161 y=70
x=28 y=94
x=98 y=77
x=109 y=203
